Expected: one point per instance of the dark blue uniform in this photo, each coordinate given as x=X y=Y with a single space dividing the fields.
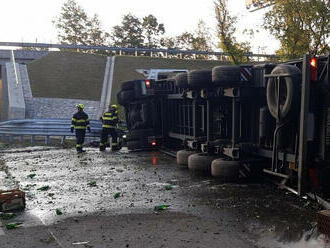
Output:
x=80 y=123
x=109 y=122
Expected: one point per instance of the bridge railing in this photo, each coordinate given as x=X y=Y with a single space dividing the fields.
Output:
x=43 y=127
x=133 y=50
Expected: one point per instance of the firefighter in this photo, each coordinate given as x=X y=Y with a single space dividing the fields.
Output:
x=80 y=123
x=109 y=122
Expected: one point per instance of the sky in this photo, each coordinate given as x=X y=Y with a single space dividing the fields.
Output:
x=31 y=21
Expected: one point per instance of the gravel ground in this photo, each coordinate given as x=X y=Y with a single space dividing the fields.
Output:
x=202 y=212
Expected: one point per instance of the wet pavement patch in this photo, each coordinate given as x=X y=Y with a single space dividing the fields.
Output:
x=124 y=189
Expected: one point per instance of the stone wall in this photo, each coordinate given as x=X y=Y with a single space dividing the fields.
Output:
x=62 y=108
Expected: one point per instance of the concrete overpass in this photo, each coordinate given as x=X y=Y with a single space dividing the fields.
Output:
x=48 y=84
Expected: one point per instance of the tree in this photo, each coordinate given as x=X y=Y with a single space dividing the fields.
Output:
x=151 y=31
x=199 y=40
x=226 y=34
x=185 y=41
x=129 y=33
x=75 y=27
x=203 y=37
x=301 y=26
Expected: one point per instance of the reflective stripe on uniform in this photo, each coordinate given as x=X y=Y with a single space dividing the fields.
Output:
x=80 y=121
x=109 y=118
x=73 y=119
x=114 y=144
x=78 y=145
x=107 y=126
x=80 y=127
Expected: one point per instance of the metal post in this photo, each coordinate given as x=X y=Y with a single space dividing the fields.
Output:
x=208 y=120
x=278 y=81
x=278 y=126
x=63 y=140
x=304 y=109
x=189 y=120
x=234 y=125
x=47 y=140
x=195 y=106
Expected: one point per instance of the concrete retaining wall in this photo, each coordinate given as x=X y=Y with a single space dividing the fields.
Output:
x=16 y=103
x=68 y=75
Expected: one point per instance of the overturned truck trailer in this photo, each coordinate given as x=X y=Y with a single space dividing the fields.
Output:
x=230 y=119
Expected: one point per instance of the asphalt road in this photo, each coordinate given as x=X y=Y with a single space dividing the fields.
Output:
x=202 y=212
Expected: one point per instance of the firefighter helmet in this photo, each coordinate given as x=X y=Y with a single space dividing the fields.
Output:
x=81 y=106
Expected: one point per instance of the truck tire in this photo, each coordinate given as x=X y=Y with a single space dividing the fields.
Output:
x=289 y=91
x=125 y=96
x=225 y=169
x=181 y=80
x=226 y=75
x=200 y=162
x=128 y=85
x=199 y=79
x=182 y=157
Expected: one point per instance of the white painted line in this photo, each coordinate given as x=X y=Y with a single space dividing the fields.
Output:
x=56 y=239
x=1 y=230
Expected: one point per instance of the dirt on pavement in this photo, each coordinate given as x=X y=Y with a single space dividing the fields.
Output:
x=79 y=208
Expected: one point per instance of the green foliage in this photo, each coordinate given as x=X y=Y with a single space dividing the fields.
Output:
x=116 y=195
x=58 y=211
x=92 y=184
x=13 y=225
x=7 y=216
x=199 y=40
x=129 y=33
x=44 y=188
x=151 y=31
x=226 y=34
x=301 y=26
x=133 y=32
x=203 y=37
x=75 y=27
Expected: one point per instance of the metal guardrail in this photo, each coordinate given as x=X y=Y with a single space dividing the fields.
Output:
x=129 y=49
x=43 y=127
